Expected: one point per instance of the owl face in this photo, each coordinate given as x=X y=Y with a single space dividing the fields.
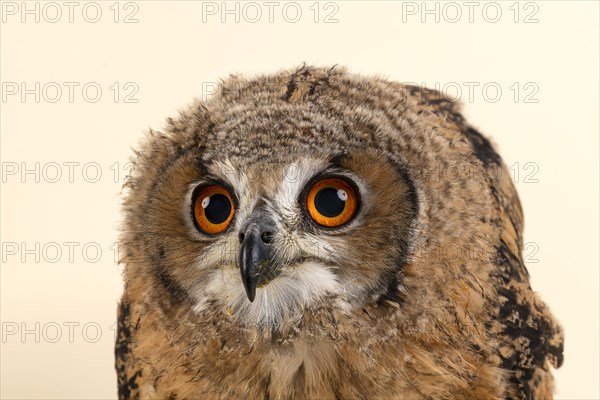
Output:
x=264 y=241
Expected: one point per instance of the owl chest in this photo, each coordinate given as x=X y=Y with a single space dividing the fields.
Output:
x=324 y=369
x=298 y=370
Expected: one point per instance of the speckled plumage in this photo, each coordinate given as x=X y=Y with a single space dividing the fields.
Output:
x=425 y=295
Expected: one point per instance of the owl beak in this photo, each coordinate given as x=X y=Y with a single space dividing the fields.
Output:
x=256 y=264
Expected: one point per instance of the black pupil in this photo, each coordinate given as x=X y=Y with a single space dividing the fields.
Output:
x=218 y=209
x=328 y=203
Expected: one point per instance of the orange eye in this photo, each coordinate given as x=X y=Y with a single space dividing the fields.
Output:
x=332 y=202
x=213 y=209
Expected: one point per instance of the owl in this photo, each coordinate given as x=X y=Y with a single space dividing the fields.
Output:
x=318 y=234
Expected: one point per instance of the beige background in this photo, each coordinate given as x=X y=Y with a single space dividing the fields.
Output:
x=171 y=55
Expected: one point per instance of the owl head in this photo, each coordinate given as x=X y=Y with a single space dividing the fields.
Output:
x=311 y=189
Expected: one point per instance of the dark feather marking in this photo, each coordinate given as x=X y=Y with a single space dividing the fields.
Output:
x=518 y=323
x=413 y=201
x=392 y=293
x=482 y=148
x=170 y=285
x=126 y=385
x=393 y=281
x=513 y=317
x=291 y=88
x=509 y=266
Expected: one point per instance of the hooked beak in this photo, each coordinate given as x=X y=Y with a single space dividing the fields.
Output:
x=256 y=265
